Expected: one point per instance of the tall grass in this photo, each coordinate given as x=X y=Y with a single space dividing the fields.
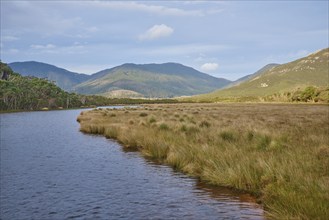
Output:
x=279 y=153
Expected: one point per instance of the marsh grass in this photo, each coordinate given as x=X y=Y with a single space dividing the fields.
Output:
x=279 y=153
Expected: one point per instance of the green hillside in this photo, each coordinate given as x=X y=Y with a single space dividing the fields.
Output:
x=63 y=78
x=31 y=93
x=312 y=70
x=151 y=80
x=250 y=76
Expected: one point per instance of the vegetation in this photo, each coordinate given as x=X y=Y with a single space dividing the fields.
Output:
x=286 y=78
x=63 y=78
x=31 y=93
x=277 y=152
x=150 y=80
x=308 y=94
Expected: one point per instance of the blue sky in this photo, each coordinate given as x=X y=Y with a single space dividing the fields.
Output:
x=226 y=39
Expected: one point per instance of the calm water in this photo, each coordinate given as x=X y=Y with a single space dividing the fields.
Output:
x=50 y=170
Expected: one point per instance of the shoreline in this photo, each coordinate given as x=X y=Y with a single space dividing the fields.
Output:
x=174 y=103
x=254 y=148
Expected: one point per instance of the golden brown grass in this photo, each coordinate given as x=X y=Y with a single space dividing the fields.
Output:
x=279 y=153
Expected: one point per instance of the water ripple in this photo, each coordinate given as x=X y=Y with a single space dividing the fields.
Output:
x=49 y=170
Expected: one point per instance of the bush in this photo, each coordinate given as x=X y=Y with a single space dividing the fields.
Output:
x=227 y=136
x=264 y=142
x=152 y=120
x=164 y=126
x=189 y=130
x=143 y=114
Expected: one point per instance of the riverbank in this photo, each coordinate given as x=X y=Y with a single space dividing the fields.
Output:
x=277 y=152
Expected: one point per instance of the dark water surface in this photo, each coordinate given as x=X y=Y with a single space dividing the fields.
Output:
x=50 y=170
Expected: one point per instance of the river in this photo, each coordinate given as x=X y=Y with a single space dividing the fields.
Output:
x=50 y=170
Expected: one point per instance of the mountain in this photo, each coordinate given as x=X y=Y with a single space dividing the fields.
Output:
x=312 y=70
x=250 y=76
x=151 y=80
x=62 y=77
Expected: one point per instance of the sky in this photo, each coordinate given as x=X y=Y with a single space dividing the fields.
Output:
x=227 y=39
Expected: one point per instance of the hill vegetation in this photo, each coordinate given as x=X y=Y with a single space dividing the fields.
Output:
x=151 y=81
x=31 y=93
x=285 y=81
x=61 y=77
x=250 y=76
x=128 y=80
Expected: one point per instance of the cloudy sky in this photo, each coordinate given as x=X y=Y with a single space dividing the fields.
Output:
x=223 y=38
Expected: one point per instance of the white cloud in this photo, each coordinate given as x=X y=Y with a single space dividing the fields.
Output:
x=42 y=47
x=209 y=67
x=157 y=31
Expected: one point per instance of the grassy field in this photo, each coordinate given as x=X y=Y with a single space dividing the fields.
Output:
x=277 y=152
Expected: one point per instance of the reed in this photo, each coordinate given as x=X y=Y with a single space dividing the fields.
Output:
x=279 y=153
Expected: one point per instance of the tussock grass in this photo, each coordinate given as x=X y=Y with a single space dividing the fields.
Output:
x=279 y=153
x=143 y=114
x=152 y=120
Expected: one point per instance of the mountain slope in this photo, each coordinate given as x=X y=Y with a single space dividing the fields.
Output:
x=63 y=78
x=312 y=70
x=152 y=80
x=250 y=76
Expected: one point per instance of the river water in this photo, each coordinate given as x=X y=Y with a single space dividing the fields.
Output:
x=50 y=170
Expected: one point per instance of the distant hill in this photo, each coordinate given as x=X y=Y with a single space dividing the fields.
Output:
x=250 y=76
x=312 y=70
x=151 y=80
x=62 y=77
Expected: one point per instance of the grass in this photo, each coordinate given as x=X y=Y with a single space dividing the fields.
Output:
x=277 y=152
x=292 y=77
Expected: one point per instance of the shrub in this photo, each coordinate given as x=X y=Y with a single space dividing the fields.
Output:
x=250 y=135
x=152 y=120
x=164 y=126
x=143 y=114
x=183 y=128
x=264 y=142
x=191 y=130
x=227 y=136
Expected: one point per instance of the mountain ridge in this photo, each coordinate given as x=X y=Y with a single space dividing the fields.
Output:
x=148 y=80
x=63 y=78
x=152 y=80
